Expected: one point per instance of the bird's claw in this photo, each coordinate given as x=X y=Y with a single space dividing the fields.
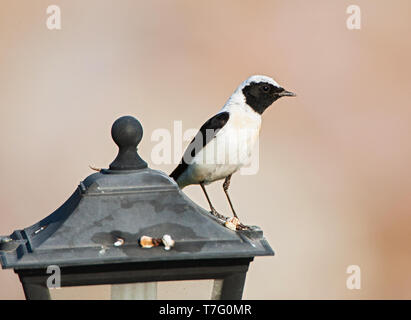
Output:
x=234 y=224
x=218 y=215
x=241 y=226
x=231 y=223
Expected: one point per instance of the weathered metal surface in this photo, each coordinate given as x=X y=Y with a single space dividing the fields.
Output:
x=110 y=210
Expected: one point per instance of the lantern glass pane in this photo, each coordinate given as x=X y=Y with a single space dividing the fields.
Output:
x=166 y=290
x=100 y=292
x=185 y=290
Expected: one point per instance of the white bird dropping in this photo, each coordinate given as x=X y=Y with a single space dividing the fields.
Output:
x=168 y=242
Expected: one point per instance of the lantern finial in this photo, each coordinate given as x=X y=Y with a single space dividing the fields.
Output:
x=127 y=133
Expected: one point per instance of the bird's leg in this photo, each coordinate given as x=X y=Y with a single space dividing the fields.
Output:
x=213 y=210
x=226 y=185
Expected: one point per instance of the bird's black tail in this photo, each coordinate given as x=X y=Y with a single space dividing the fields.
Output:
x=178 y=171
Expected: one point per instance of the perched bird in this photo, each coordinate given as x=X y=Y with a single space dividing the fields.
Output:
x=225 y=142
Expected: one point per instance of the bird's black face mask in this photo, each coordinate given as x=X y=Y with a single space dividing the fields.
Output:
x=260 y=96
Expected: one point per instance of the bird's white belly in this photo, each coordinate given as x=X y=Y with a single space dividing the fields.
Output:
x=230 y=149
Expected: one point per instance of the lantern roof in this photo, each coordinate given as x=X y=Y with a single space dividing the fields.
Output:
x=111 y=210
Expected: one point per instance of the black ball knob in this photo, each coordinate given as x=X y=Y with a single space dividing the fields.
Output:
x=127 y=133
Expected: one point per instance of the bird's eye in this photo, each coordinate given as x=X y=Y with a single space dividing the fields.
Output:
x=266 y=88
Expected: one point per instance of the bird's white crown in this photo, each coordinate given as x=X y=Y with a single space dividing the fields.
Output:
x=257 y=79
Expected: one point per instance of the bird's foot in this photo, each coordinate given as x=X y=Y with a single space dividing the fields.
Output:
x=218 y=215
x=241 y=226
x=234 y=224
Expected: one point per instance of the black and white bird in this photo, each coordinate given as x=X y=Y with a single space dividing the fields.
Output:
x=225 y=142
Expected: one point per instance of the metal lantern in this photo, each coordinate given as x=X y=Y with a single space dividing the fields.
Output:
x=95 y=236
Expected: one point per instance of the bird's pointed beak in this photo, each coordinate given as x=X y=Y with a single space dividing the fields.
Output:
x=286 y=93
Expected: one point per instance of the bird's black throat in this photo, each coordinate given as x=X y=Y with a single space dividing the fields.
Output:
x=261 y=95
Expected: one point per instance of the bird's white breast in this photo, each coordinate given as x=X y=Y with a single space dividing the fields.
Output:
x=230 y=149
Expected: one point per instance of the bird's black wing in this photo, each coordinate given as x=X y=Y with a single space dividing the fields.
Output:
x=206 y=133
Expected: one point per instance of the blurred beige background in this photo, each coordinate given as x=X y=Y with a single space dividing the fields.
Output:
x=334 y=183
